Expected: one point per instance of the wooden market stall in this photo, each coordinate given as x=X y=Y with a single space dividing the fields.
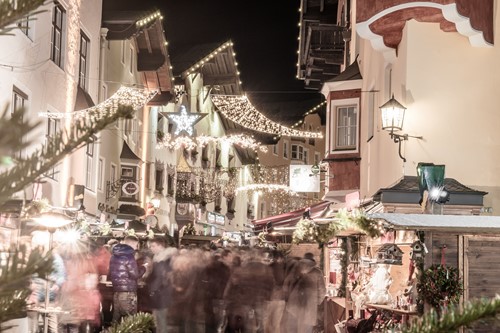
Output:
x=467 y=245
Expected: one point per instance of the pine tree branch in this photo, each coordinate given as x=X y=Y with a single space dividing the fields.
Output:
x=28 y=170
x=454 y=318
x=15 y=277
x=138 y=323
x=12 y=12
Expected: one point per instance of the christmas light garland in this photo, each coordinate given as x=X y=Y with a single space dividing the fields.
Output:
x=239 y=110
x=266 y=187
x=241 y=140
x=134 y=97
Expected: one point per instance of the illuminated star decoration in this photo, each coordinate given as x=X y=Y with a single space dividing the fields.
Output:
x=185 y=121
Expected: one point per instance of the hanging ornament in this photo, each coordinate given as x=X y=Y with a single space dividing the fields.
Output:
x=184 y=121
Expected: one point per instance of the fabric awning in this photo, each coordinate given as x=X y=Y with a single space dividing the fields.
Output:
x=291 y=218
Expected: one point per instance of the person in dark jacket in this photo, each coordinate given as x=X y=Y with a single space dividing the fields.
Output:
x=159 y=288
x=124 y=273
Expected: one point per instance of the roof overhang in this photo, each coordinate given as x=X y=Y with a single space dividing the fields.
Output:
x=448 y=223
x=383 y=24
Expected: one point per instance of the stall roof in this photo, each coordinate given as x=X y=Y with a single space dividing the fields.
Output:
x=458 y=223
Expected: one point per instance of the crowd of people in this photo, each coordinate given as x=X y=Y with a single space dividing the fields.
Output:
x=191 y=290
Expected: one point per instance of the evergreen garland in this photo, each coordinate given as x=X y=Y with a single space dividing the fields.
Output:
x=138 y=323
x=343 y=268
x=308 y=231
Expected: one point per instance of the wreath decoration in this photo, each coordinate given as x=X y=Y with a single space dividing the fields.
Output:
x=440 y=285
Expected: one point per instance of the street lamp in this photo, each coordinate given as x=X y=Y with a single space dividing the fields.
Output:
x=393 y=114
x=52 y=221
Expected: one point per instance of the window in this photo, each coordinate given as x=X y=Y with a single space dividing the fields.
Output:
x=285 y=149
x=131 y=60
x=147 y=175
x=297 y=152
x=123 y=52
x=84 y=46
x=19 y=100
x=89 y=176
x=312 y=141
x=316 y=159
x=57 y=35
x=346 y=127
x=53 y=127
x=275 y=149
x=306 y=156
x=100 y=174
x=159 y=178
x=26 y=26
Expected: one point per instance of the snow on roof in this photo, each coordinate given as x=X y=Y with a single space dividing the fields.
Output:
x=463 y=223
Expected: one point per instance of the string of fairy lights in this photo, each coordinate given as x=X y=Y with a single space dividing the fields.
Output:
x=188 y=143
x=134 y=97
x=239 y=110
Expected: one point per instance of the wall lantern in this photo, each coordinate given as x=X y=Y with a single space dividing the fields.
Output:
x=393 y=114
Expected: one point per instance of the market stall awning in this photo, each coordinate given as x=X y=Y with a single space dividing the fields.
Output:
x=290 y=219
x=449 y=223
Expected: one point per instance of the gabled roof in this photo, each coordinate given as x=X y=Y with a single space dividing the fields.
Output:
x=152 y=55
x=215 y=61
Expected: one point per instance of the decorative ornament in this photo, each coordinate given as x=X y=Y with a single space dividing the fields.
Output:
x=184 y=121
x=390 y=254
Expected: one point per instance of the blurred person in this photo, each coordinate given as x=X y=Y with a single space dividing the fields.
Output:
x=214 y=280
x=124 y=274
x=159 y=289
x=186 y=310
x=276 y=305
x=306 y=295
x=54 y=281
x=248 y=293
x=80 y=297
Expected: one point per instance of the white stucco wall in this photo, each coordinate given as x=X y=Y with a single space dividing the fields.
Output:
x=449 y=88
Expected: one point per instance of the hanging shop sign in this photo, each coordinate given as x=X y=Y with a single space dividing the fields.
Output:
x=302 y=179
x=216 y=218
x=130 y=188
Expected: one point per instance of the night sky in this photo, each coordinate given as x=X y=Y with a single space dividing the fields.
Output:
x=264 y=33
